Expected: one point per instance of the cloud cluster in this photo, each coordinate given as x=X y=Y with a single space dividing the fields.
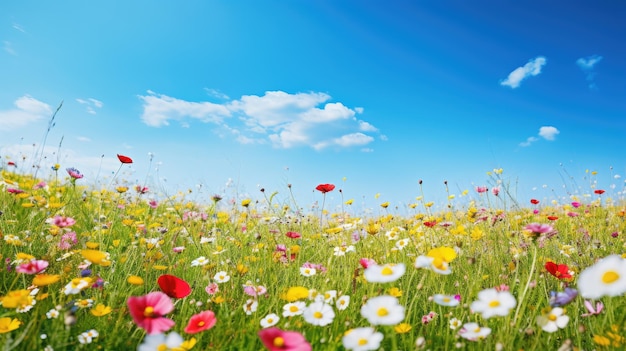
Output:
x=91 y=104
x=546 y=132
x=587 y=65
x=27 y=110
x=282 y=119
x=532 y=68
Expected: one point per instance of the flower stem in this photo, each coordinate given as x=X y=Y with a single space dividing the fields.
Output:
x=530 y=277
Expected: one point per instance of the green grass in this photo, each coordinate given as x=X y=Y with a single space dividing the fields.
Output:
x=140 y=241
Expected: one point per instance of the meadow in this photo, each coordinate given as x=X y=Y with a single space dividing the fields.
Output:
x=111 y=268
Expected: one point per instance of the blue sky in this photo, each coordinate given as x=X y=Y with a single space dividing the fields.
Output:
x=231 y=96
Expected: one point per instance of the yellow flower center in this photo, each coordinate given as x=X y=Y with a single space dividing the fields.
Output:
x=494 y=303
x=148 y=311
x=446 y=299
x=552 y=317
x=387 y=271
x=477 y=330
x=279 y=342
x=201 y=323
x=318 y=314
x=382 y=312
x=610 y=277
x=270 y=320
x=162 y=347
x=293 y=308
x=362 y=342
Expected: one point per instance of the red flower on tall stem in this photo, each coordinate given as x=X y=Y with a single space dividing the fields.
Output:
x=325 y=188
x=560 y=271
x=599 y=191
x=124 y=159
x=534 y=201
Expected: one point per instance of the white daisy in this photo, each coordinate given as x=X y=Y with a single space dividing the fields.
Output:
x=270 y=320
x=342 y=302
x=383 y=310
x=362 y=339
x=293 y=309
x=492 y=302
x=606 y=277
x=384 y=273
x=221 y=277
x=553 y=320
x=472 y=331
x=319 y=313
x=446 y=300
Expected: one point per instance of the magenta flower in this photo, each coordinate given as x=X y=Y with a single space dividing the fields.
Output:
x=575 y=204
x=32 y=267
x=366 y=262
x=63 y=222
x=539 y=228
x=14 y=191
x=252 y=290
x=148 y=311
x=74 y=173
x=275 y=339
x=495 y=191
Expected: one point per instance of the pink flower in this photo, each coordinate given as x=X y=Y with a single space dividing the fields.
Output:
x=148 y=311
x=366 y=262
x=62 y=221
x=481 y=189
x=575 y=204
x=495 y=191
x=539 y=228
x=212 y=289
x=293 y=235
x=14 y=191
x=74 y=173
x=141 y=189
x=201 y=322
x=178 y=249
x=275 y=339
x=153 y=204
x=67 y=241
x=32 y=267
x=591 y=310
x=252 y=290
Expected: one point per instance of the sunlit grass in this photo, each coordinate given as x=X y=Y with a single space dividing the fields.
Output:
x=257 y=266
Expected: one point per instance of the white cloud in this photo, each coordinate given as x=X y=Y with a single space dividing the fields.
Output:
x=8 y=47
x=279 y=118
x=532 y=68
x=158 y=109
x=32 y=156
x=546 y=132
x=216 y=94
x=83 y=139
x=27 y=111
x=90 y=103
x=19 y=28
x=587 y=65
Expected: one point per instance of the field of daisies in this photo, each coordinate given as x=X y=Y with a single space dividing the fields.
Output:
x=112 y=268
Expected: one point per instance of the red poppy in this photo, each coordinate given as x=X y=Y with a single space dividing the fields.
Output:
x=430 y=224
x=293 y=235
x=534 y=201
x=124 y=159
x=324 y=188
x=598 y=191
x=553 y=218
x=11 y=163
x=561 y=271
x=173 y=286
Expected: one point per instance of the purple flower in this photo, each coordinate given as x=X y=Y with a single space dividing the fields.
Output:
x=559 y=299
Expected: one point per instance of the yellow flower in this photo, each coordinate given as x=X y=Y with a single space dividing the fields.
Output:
x=186 y=345
x=121 y=189
x=601 y=340
x=385 y=204
x=23 y=257
x=372 y=228
x=96 y=257
x=218 y=299
x=92 y=245
x=7 y=324
x=295 y=293
x=242 y=269
x=441 y=255
x=19 y=299
x=135 y=280
x=245 y=202
x=349 y=202
x=46 y=279
x=100 y=310
x=477 y=233
x=402 y=328
x=394 y=292
x=56 y=167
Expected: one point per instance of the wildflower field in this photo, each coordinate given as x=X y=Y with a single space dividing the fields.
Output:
x=111 y=268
